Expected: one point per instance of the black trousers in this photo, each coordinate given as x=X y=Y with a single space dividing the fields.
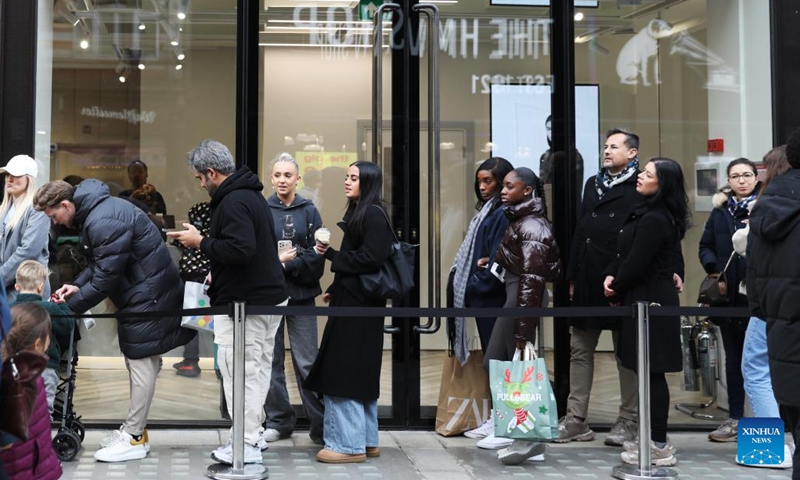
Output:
x=791 y=415
x=659 y=407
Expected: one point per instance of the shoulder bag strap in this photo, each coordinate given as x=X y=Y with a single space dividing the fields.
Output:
x=729 y=261
x=387 y=221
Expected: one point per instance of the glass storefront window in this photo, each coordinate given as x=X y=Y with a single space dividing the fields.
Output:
x=134 y=81
x=693 y=82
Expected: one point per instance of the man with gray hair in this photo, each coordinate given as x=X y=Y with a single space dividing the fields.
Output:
x=243 y=251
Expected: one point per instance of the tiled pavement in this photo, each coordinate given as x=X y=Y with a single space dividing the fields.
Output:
x=184 y=454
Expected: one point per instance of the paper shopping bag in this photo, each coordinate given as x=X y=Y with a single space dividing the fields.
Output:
x=194 y=296
x=464 y=401
x=524 y=406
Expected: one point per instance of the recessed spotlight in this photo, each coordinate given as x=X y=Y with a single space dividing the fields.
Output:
x=141 y=66
x=121 y=79
x=142 y=26
x=181 y=16
x=178 y=66
x=84 y=44
x=174 y=43
x=579 y=16
x=181 y=56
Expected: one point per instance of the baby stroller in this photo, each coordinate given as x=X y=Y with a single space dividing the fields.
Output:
x=67 y=442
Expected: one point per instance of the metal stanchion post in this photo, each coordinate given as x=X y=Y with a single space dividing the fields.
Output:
x=238 y=471
x=644 y=470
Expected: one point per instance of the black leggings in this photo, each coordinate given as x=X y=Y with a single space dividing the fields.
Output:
x=659 y=407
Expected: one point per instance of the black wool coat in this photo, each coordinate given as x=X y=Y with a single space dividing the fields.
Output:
x=350 y=354
x=594 y=247
x=643 y=269
x=773 y=280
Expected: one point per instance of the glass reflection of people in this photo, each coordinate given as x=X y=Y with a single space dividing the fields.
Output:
x=644 y=271
x=549 y=157
x=137 y=174
x=311 y=180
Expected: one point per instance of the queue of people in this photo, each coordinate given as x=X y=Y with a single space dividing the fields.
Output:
x=272 y=251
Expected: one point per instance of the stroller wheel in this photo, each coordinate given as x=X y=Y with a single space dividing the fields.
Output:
x=77 y=428
x=67 y=444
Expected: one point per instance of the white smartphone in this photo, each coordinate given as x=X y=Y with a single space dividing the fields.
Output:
x=284 y=245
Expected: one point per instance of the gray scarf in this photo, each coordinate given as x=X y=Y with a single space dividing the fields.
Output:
x=462 y=265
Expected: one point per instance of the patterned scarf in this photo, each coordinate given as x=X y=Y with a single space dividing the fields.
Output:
x=740 y=208
x=603 y=181
x=462 y=265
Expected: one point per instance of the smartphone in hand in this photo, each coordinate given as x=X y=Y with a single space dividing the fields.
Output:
x=284 y=245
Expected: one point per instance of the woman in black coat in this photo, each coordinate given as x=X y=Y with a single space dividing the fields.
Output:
x=643 y=271
x=348 y=367
x=731 y=210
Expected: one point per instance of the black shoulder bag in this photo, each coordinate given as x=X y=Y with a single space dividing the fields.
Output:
x=396 y=276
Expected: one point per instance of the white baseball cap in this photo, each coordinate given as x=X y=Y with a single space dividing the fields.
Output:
x=21 y=165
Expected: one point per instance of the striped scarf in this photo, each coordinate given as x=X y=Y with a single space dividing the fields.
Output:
x=603 y=181
x=462 y=265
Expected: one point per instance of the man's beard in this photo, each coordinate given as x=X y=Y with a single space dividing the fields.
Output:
x=211 y=189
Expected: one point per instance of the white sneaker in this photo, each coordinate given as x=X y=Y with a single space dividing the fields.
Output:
x=123 y=449
x=490 y=442
x=520 y=451
x=273 y=435
x=114 y=437
x=224 y=454
x=483 y=431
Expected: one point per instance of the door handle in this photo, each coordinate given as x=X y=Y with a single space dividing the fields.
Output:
x=377 y=80
x=391 y=330
x=434 y=137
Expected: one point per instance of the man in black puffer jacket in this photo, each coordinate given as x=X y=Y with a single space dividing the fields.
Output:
x=773 y=283
x=129 y=264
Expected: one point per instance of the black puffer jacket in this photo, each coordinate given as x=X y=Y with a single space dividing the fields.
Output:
x=529 y=250
x=128 y=263
x=773 y=280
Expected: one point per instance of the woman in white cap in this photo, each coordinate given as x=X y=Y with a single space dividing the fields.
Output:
x=24 y=230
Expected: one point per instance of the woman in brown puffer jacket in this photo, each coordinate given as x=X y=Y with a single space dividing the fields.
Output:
x=529 y=256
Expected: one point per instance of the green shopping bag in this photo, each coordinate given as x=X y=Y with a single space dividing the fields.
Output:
x=524 y=406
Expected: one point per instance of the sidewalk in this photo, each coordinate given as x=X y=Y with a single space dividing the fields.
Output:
x=184 y=454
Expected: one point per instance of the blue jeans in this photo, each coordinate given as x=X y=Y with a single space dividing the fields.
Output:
x=755 y=369
x=351 y=425
x=303 y=340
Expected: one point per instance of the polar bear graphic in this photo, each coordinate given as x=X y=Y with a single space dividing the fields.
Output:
x=636 y=53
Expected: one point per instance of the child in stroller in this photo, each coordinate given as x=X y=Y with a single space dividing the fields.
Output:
x=59 y=378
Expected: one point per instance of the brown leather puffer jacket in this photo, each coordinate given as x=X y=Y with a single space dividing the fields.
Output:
x=529 y=250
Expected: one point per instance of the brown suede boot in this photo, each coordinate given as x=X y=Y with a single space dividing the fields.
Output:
x=329 y=456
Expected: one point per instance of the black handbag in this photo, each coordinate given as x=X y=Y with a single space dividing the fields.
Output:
x=714 y=288
x=396 y=276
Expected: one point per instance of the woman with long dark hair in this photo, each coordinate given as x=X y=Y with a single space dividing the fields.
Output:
x=348 y=367
x=475 y=280
x=647 y=257
x=730 y=213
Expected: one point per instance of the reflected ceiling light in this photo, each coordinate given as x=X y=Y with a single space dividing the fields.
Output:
x=123 y=76
x=174 y=43
x=142 y=26
x=84 y=44
x=181 y=16
x=182 y=9
x=181 y=56
x=141 y=66
x=578 y=16
x=178 y=66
